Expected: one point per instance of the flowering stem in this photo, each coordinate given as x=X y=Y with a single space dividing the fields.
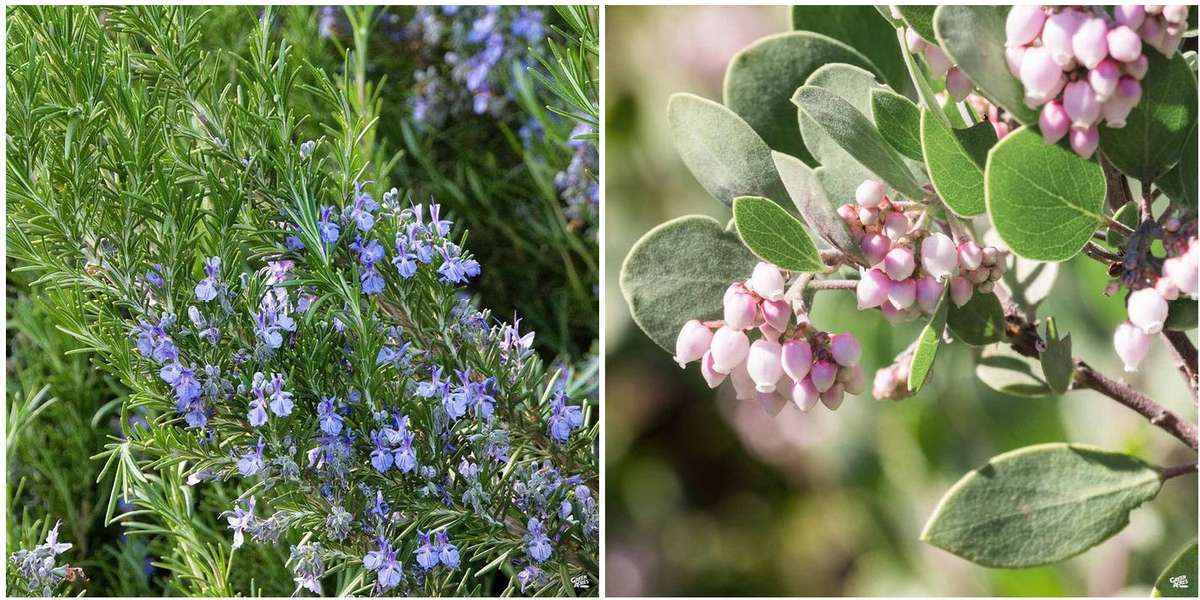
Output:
x=1158 y=415
x=833 y=284
x=1185 y=352
x=1173 y=472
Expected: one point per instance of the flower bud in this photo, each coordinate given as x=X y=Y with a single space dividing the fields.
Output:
x=832 y=397
x=868 y=216
x=692 y=343
x=1040 y=75
x=856 y=382
x=711 y=376
x=914 y=41
x=1131 y=344
x=777 y=314
x=1170 y=43
x=805 y=395
x=1154 y=9
x=762 y=362
x=957 y=84
x=1014 y=56
x=1085 y=141
x=823 y=374
x=1023 y=25
x=1090 y=43
x=1184 y=275
x=741 y=309
x=872 y=289
x=1175 y=13
x=978 y=275
x=875 y=246
x=1057 y=34
x=1079 y=100
x=769 y=333
x=938 y=62
x=1124 y=43
x=1166 y=287
x=885 y=383
x=986 y=287
x=869 y=193
x=767 y=281
x=1147 y=309
x=1151 y=32
x=848 y=213
x=902 y=294
x=1129 y=15
x=929 y=291
x=796 y=359
x=1104 y=78
x=970 y=255
x=960 y=291
x=899 y=263
x=729 y=349
x=896 y=224
x=1053 y=122
x=939 y=256
x=845 y=349
x=743 y=386
x=892 y=314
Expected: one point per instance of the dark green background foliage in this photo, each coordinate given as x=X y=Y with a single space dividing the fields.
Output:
x=706 y=495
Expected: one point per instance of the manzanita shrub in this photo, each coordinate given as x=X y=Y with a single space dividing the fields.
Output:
x=902 y=161
x=286 y=327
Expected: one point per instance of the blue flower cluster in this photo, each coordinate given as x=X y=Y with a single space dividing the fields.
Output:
x=579 y=185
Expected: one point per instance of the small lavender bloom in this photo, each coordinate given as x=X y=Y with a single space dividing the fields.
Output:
x=539 y=543
x=327 y=417
x=294 y=243
x=456 y=269
x=281 y=401
x=528 y=576
x=372 y=281
x=306 y=149
x=563 y=418
x=379 y=508
x=381 y=456
x=206 y=290
x=278 y=271
x=528 y=24
x=338 y=523
x=428 y=389
x=251 y=462
x=564 y=509
x=239 y=520
x=308 y=567
x=258 y=413
x=375 y=558
x=447 y=552
x=362 y=209
x=439 y=226
x=390 y=571
x=326 y=227
x=427 y=555
x=154 y=275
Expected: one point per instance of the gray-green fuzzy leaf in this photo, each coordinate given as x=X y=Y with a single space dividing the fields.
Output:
x=973 y=37
x=1003 y=370
x=955 y=159
x=1040 y=504
x=1044 y=200
x=979 y=322
x=723 y=153
x=927 y=346
x=679 y=271
x=814 y=205
x=855 y=133
x=774 y=235
x=1152 y=140
x=862 y=28
x=899 y=122
x=920 y=18
x=1056 y=361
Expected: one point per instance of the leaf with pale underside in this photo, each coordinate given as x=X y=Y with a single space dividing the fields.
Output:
x=899 y=122
x=973 y=36
x=811 y=201
x=1057 y=364
x=927 y=346
x=1003 y=370
x=774 y=235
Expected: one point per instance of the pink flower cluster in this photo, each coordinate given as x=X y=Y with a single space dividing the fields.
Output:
x=891 y=382
x=1084 y=67
x=785 y=362
x=956 y=82
x=901 y=282
x=1147 y=307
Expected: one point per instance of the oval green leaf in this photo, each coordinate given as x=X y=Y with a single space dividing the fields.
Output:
x=679 y=271
x=899 y=122
x=811 y=201
x=761 y=78
x=1003 y=370
x=723 y=153
x=1040 y=504
x=1057 y=365
x=920 y=18
x=955 y=159
x=774 y=235
x=1127 y=215
x=979 y=322
x=1181 y=315
x=1044 y=200
x=861 y=27
x=1180 y=579
x=857 y=136
x=973 y=37
x=1181 y=181
x=1152 y=140
x=927 y=346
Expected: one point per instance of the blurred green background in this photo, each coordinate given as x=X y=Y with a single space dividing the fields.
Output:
x=709 y=496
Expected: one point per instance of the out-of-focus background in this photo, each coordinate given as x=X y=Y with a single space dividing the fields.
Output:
x=710 y=496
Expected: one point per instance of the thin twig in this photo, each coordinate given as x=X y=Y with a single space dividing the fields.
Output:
x=1157 y=414
x=833 y=284
x=1173 y=472
x=1119 y=226
x=1185 y=353
x=1100 y=254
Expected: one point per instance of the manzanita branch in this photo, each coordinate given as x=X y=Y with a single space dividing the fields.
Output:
x=1118 y=185
x=1173 y=472
x=1100 y=254
x=1158 y=415
x=1185 y=353
x=833 y=284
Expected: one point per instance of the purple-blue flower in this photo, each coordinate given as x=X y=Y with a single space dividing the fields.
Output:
x=447 y=552
x=328 y=418
x=327 y=228
x=239 y=520
x=251 y=462
x=206 y=290
x=427 y=555
x=563 y=417
x=539 y=543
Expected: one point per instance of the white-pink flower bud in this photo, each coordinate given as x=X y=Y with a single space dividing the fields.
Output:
x=1079 y=100
x=823 y=374
x=741 y=310
x=1170 y=43
x=895 y=224
x=1167 y=288
x=1085 y=141
x=875 y=246
x=902 y=294
x=1014 y=56
x=957 y=84
x=1129 y=15
x=856 y=382
x=1023 y=24
x=777 y=314
x=938 y=62
x=1104 y=78
x=832 y=397
x=693 y=341
x=939 y=256
x=1175 y=13
x=1184 y=275
x=848 y=213
x=961 y=290
x=1090 y=43
x=743 y=386
x=869 y=193
x=767 y=281
x=1132 y=345
x=1116 y=110
x=1154 y=9
x=1040 y=75
x=805 y=395
x=929 y=291
x=868 y=216
x=916 y=44
x=1053 y=122
x=970 y=255
x=729 y=349
x=762 y=362
x=872 y=289
x=1058 y=32
x=711 y=376
x=899 y=263
x=1151 y=32
x=1147 y=309
x=845 y=349
x=1124 y=43
x=796 y=359
x=885 y=383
